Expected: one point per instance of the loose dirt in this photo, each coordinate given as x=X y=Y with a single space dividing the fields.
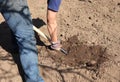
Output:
x=88 y=29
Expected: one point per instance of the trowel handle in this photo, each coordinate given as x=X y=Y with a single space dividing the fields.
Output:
x=40 y=33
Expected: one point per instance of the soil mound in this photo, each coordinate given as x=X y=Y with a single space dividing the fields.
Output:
x=79 y=55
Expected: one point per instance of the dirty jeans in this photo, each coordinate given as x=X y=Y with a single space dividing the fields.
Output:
x=17 y=16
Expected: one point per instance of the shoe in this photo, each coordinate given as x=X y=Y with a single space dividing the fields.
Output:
x=55 y=45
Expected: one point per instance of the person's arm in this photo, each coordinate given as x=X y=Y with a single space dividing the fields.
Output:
x=52 y=25
x=53 y=7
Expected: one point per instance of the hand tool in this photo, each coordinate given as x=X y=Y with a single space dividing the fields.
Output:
x=47 y=38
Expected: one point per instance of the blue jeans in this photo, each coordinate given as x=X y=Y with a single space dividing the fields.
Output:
x=17 y=15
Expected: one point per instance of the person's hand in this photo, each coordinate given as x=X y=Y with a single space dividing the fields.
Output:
x=56 y=45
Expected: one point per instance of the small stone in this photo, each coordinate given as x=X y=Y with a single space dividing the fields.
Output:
x=91 y=63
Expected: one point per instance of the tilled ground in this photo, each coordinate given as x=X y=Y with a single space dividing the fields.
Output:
x=89 y=31
x=79 y=54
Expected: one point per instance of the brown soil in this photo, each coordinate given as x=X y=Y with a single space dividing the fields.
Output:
x=89 y=31
x=79 y=54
